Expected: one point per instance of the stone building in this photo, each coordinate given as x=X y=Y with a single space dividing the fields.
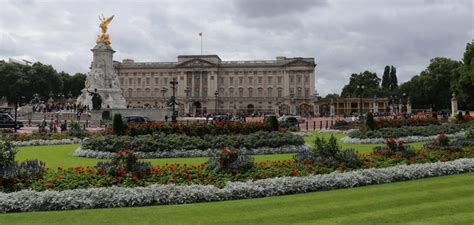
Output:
x=207 y=84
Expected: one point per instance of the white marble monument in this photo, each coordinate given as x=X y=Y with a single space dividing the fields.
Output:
x=103 y=78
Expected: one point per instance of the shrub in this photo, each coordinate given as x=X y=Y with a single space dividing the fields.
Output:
x=7 y=154
x=412 y=131
x=75 y=130
x=273 y=121
x=162 y=142
x=21 y=175
x=395 y=147
x=125 y=166
x=470 y=133
x=118 y=125
x=231 y=160
x=370 y=121
x=198 y=129
x=329 y=154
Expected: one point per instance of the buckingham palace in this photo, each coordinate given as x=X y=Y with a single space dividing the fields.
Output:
x=206 y=84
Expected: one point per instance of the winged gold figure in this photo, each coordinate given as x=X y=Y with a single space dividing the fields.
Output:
x=104 y=22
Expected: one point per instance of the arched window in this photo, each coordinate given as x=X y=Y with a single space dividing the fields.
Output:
x=139 y=92
x=260 y=92
x=130 y=92
x=250 y=92
x=231 y=92
x=148 y=92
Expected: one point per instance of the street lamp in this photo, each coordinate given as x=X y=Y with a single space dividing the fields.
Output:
x=404 y=103
x=216 y=94
x=173 y=99
x=360 y=88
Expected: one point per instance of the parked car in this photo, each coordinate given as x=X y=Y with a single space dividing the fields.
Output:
x=136 y=119
x=283 y=118
x=220 y=118
x=268 y=116
x=288 y=121
x=7 y=121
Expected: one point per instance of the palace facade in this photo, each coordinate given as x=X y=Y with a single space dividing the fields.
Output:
x=206 y=84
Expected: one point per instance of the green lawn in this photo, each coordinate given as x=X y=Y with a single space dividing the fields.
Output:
x=439 y=200
x=61 y=155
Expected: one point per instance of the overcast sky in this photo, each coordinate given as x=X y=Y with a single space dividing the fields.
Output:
x=344 y=36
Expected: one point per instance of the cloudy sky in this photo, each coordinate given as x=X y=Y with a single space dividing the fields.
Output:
x=344 y=36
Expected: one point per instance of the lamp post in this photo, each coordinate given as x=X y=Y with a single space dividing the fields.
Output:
x=216 y=94
x=404 y=102
x=360 y=88
x=173 y=99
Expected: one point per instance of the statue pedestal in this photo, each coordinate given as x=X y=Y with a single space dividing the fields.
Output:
x=103 y=78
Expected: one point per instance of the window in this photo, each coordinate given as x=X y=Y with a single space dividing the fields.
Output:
x=139 y=81
x=241 y=80
x=274 y=72
x=241 y=92
x=306 y=79
x=254 y=72
x=130 y=92
x=269 y=80
x=231 y=92
x=231 y=80
x=166 y=81
x=306 y=93
x=157 y=80
x=221 y=80
x=279 y=80
x=250 y=80
x=260 y=80
x=298 y=93
x=130 y=81
x=270 y=92
x=139 y=92
x=280 y=92
x=147 y=92
x=260 y=92
x=121 y=81
x=156 y=93
x=250 y=92
x=292 y=91
x=221 y=92
x=292 y=79
x=147 y=81
x=298 y=79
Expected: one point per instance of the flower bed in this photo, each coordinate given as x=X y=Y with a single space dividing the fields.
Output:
x=412 y=131
x=408 y=139
x=335 y=131
x=191 y=153
x=163 y=143
x=411 y=122
x=113 y=197
x=39 y=142
x=198 y=129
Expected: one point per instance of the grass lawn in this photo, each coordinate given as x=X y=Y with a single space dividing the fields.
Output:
x=61 y=155
x=439 y=200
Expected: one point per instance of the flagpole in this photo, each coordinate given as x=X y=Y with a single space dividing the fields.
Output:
x=201 y=43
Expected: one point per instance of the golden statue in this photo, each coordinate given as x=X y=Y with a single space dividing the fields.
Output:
x=104 y=37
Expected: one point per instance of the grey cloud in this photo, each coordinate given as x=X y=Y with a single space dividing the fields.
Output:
x=344 y=36
x=275 y=8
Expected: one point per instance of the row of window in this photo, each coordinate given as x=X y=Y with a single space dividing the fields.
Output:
x=273 y=72
x=249 y=92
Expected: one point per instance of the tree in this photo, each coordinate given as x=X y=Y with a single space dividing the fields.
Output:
x=386 y=78
x=393 y=79
x=369 y=80
x=465 y=83
x=433 y=87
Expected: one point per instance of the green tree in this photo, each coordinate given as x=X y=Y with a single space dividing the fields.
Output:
x=369 y=80
x=386 y=78
x=434 y=85
x=465 y=83
x=393 y=79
